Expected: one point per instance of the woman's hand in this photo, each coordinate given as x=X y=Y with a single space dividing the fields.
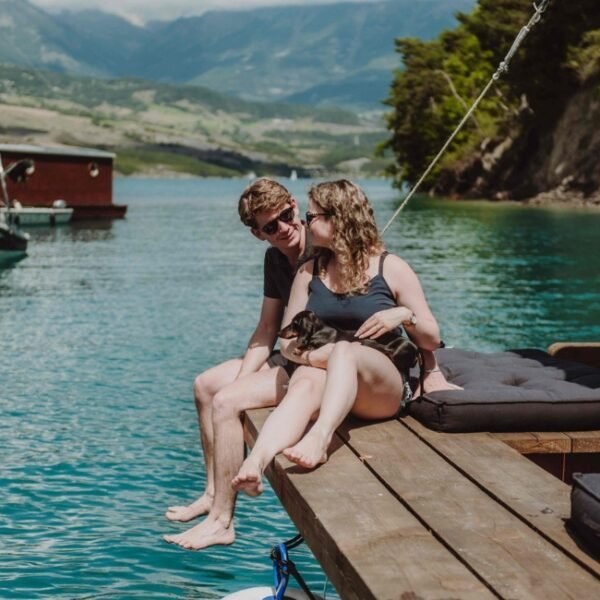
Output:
x=383 y=321
x=318 y=358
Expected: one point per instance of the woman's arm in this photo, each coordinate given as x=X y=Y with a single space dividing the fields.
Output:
x=409 y=296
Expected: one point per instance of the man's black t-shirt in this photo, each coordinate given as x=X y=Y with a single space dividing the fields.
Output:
x=278 y=279
x=279 y=275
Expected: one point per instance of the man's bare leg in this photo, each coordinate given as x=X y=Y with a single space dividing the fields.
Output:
x=257 y=390
x=206 y=386
x=285 y=426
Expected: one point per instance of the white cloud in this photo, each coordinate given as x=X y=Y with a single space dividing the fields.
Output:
x=146 y=10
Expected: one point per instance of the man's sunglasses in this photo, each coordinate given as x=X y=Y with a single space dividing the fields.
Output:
x=310 y=216
x=285 y=216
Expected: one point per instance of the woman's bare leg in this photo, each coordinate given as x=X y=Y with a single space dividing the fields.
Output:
x=285 y=425
x=206 y=386
x=359 y=380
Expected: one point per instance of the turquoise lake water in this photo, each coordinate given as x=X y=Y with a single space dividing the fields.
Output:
x=103 y=328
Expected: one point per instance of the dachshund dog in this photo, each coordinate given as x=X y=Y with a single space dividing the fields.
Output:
x=312 y=333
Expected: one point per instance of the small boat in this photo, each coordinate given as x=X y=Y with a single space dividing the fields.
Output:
x=293 y=175
x=13 y=241
x=24 y=216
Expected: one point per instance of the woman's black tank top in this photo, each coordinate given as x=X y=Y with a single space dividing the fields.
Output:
x=349 y=312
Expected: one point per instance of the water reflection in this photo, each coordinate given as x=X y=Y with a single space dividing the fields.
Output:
x=505 y=275
x=8 y=262
x=78 y=231
x=99 y=432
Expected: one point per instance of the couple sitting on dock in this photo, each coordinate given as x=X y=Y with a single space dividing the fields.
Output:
x=349 y=281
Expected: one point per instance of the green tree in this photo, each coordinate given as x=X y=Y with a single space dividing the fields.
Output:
x=441 y=78
x=431 y=94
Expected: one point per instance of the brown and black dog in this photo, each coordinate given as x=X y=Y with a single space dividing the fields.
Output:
x=312 y=333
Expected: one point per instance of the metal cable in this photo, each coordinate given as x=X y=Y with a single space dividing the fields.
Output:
x=502 y=68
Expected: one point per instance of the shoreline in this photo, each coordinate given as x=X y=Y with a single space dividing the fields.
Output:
x=552 y=199
x=568 y=199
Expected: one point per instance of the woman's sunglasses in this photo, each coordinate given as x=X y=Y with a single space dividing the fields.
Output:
x=310 y=216
x=285 y=216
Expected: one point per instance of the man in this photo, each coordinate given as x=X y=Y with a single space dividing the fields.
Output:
x=257 y=380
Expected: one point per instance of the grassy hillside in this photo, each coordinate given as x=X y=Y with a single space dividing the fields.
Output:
x=183 y=129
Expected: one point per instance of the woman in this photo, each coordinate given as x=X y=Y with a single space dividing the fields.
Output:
x=351 y=284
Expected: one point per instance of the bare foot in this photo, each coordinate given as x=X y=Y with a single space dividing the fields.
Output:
x=199 y=507
x=248 y=479
x=211 y=532
x=310 y=451
x=436 y=382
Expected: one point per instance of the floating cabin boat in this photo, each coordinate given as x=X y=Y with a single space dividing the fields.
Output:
x=58 y=214
x=80 y=177
x=414 y=508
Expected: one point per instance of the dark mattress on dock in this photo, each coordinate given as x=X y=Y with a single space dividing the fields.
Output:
x=517 y=390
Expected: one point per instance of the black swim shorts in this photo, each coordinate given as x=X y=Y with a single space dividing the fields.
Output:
x=278 y=360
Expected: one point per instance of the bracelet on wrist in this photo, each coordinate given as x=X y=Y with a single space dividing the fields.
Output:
x=411 y=321
x=308 y=358
x=436 y=370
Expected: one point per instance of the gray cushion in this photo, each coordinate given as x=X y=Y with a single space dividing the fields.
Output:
x=518 y=390
x=585 y=510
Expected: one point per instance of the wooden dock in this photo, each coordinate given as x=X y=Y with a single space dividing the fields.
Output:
x=403 y=512
x=400 y=511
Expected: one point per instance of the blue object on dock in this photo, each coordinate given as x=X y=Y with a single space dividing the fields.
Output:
x=281 y=572
x=283 y=567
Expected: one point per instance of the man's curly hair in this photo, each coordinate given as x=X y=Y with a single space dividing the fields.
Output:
x=261 y=196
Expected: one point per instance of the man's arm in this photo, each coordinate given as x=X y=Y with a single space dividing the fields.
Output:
x=263 y=339
x=297 y=303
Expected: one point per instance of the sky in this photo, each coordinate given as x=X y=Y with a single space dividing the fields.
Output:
x=140 y=11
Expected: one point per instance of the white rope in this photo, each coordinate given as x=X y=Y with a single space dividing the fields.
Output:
x=502 y=68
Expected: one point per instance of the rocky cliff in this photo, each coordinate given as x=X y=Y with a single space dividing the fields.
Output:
x=557 y=164
x=534 y=136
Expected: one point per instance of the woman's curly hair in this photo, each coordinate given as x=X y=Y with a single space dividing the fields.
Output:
x=355 y=237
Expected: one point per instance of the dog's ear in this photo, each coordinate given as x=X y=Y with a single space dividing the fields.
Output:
x=289 y=332
x=312 y=323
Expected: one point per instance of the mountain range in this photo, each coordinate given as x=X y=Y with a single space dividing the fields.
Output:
x=325 y=54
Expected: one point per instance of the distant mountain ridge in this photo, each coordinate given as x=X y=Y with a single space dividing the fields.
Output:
x=324 y=54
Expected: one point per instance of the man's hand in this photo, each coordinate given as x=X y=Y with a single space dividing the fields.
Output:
x=383 y=321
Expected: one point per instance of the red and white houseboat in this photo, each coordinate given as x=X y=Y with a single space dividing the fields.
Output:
x=81 y=177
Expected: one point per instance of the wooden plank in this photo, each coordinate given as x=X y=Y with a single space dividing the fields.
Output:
x=521 y=442
x=501 y=548
x=583 y=352
x=551 y=442
x=538 y=498
x=585 y=441
x=367 y=542
x=537 y=442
